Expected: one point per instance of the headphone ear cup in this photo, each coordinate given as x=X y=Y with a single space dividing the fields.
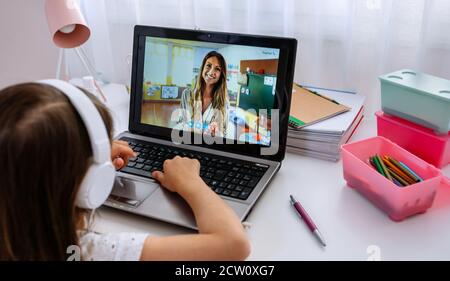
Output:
x=96 y=186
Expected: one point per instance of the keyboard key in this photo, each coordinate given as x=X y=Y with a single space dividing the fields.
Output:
x=244 y=170
x=253 y=182
x=223 y=184
x=140 y=160
x=220 y=174
x=231 y=186
x=234 y=194
x=131 y=164
x=259 y=174
x=219 y=190
x=139 y=166
x=239 y=188
x=147 y=168
x=226 y=192
x=245 y=193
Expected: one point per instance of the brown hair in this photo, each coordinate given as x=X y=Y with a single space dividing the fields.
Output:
x=45 y=152
x=220 y=92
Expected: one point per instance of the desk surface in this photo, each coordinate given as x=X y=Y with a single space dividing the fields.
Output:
x=353 y=228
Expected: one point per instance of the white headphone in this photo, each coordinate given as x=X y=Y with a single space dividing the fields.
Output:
x=99 y=179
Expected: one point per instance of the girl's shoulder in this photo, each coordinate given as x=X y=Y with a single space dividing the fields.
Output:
x=111 y=246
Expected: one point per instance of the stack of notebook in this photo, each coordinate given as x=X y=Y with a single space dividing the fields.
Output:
x=321 y=135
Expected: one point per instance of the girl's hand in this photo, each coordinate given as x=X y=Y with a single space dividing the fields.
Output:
x=120 y=152
x=179 y=174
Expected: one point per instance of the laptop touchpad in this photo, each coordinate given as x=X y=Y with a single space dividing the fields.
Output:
x=131 y=192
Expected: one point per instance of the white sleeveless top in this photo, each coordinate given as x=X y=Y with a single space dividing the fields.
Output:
x=111 y=246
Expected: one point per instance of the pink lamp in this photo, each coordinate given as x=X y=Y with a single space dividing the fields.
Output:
x=68 y=29
x=66 y=23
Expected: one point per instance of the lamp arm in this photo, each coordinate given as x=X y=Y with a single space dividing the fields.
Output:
x=88 y=69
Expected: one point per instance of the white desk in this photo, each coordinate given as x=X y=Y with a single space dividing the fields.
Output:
x=349 y=222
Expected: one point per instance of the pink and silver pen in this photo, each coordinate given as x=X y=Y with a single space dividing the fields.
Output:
x=307 y=220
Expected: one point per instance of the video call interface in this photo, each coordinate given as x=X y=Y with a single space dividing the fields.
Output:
x=221 y=90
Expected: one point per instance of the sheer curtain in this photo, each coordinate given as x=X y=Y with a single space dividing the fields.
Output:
x=343 y=44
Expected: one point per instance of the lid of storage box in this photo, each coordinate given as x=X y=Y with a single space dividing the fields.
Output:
x=418 y=82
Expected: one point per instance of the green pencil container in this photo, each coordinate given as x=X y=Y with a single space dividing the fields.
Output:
x=417 y=97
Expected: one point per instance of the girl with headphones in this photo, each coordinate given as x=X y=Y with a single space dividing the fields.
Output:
x=57 y=164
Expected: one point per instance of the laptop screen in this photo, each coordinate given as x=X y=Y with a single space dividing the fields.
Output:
x=211 y=84
x=209 y=88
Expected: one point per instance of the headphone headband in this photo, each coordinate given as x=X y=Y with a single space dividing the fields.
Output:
x=100 y=143
x=99 y=178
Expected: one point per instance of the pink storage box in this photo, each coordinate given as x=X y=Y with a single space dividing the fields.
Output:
x=398 y=202
x=421 y=141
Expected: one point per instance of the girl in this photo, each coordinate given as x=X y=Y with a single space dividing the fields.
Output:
x=208 y=103
x=45 y=152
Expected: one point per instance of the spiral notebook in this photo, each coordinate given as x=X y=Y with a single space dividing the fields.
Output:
x=309 y=107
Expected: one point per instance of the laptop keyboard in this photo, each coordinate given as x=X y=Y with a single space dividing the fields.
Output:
x=225 y=176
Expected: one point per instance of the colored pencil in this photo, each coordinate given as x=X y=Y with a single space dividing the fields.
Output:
x=398 y=171
x=396 y=163
x=397 y=177
x=411 y=171
x=384 y=167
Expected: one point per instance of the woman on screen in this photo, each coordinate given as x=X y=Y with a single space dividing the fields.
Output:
x=205 y=108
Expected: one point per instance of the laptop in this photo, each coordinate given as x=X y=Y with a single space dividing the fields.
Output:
x=237 y=163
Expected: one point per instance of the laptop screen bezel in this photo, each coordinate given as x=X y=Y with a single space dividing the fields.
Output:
x=286 y=65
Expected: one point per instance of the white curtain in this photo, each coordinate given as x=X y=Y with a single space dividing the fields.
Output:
x=343 y=44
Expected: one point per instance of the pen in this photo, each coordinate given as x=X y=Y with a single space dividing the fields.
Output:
x=307 y=220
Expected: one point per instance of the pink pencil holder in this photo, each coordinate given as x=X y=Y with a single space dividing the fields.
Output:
x=398 y=202
x=421 y=141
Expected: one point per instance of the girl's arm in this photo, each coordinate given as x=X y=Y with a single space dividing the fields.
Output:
x=221 y=235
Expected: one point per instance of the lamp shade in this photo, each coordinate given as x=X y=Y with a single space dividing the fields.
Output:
x=66 y=23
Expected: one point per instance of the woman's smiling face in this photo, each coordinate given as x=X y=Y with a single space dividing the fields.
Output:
x=211 y=71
